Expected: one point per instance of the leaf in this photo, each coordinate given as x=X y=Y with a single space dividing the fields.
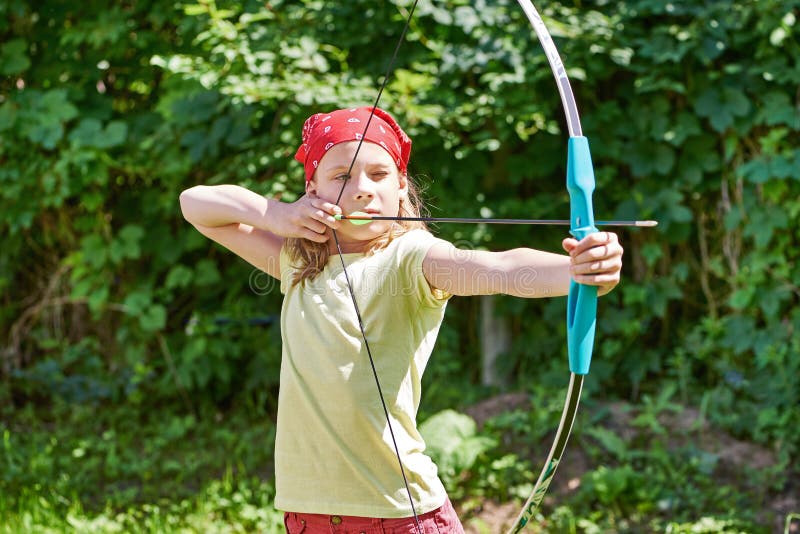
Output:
x=126 y=245
x=87 y=133
x=206 y=273
x=741 y=298
x=46 y=134
x=137 y=302
x=756 y=170
x=445 y=430
x=196 y=108
x=763 y=224
x=647 y=158
x=451 y=439
x=13 y=57
x=90 y=133
x=721 y=106
x=56 y=106
x=776 y=108
x=669 y=205
x=785 y=167
x=46 y=113
x=699 y=156
x=94 y=251
x=97 y=299
x=652 y=253
x=610 y=441
x=115 y=134
x=683 y=127
x=8 y=116
x=195 y=9
x=153 y=318
x=179 y=276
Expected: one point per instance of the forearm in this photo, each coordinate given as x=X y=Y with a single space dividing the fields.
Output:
x=521 y=272
x=532 y=273
x=525 y=272
x=221 y=205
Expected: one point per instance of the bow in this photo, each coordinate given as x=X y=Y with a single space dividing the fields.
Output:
x=582 y=300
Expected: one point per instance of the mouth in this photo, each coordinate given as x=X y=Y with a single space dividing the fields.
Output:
x=371 y=211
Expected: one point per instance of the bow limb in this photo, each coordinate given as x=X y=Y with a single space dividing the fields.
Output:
x=582 y=299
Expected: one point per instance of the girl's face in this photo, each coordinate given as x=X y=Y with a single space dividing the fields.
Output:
x=375 y=186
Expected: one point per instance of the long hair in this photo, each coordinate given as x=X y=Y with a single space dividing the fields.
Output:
x=310 y=258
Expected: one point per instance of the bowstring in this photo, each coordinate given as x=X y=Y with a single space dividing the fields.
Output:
x=347 y=276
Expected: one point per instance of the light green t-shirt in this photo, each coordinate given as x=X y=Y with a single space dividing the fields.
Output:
x=333 y=450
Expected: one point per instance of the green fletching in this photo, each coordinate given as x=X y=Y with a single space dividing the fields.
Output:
x=358 y=222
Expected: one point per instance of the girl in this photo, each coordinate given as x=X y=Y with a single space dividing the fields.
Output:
x=337 y=446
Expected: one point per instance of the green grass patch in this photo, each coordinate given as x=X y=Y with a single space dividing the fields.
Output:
x=118 y=469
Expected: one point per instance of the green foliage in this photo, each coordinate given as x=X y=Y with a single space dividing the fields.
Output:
x=710 y=525
x=223 y=506
x=121 y=469
x=454 y=444
x=658 y=485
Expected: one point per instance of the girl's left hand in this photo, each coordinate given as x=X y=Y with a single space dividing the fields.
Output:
x=595 y=260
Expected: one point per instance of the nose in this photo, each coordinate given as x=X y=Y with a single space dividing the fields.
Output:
x=363 y=187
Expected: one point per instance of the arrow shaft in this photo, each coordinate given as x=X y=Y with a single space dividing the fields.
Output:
x=490 y=221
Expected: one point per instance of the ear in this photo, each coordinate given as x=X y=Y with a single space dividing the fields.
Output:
x=402 y=179
x=311 y=187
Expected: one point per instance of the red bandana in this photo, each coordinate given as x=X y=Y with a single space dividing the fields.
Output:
x=324 y=130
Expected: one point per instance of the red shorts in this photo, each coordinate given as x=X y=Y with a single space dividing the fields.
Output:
x=443 y=520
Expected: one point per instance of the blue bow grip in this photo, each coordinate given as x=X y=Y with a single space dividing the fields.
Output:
x=582 y=301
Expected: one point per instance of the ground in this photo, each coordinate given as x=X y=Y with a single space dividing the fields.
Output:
x=682 y=426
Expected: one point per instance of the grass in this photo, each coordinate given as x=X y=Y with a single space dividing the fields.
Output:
x=78 y=468
x=68 y=467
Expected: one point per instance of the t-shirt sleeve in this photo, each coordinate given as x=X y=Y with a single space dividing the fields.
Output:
x=411 y=250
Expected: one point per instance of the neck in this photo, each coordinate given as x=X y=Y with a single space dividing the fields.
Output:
x=348 y=246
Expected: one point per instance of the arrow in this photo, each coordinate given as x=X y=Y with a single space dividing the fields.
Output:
x=359 y=218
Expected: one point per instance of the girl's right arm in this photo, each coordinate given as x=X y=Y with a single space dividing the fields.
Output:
x=252 y=226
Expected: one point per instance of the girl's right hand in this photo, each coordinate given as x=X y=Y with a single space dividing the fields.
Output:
x=309 y=218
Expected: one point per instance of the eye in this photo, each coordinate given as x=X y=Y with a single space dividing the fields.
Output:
x=343 y=176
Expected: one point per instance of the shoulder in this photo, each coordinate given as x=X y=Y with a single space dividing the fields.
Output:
x=411 y=253
x=417 y=240
x=411 y=248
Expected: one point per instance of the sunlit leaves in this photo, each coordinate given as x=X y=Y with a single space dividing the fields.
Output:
x=782 y=32
x=453 y=440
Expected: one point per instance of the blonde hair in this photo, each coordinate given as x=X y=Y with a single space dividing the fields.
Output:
x=310 y=258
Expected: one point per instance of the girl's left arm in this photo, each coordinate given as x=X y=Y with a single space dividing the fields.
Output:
x=596 y=260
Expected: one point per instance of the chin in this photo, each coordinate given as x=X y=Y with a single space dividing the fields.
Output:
x=370 y=231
